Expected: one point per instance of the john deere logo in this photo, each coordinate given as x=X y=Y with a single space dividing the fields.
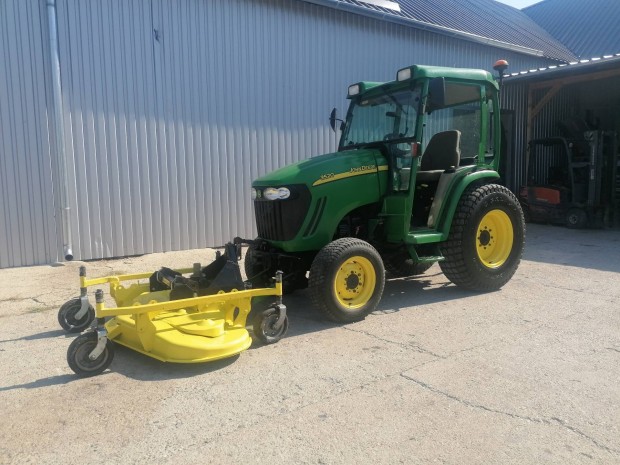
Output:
x=355 y=171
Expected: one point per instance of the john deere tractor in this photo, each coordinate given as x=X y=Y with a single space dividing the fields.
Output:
x=414 y=182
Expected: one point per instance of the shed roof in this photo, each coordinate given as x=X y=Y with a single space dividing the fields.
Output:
x=483 y=21
x=588 y=29
x=606 y=65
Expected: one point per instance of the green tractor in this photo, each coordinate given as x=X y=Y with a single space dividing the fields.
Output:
x=414 y=182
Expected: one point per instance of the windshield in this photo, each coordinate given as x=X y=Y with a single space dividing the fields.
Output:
x=384 y=117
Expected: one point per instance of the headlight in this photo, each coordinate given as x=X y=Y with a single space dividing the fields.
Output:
x=284 y=193
x=271 y=193
x=354 y=90
x=403 y=74
x=254 y=194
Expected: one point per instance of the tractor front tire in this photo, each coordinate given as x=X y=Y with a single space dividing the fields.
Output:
x=346 y=280
x=486 y=239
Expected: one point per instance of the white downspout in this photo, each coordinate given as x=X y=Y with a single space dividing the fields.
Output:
x=59 y=130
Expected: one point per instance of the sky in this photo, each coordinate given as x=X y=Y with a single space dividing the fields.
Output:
x=519 y=3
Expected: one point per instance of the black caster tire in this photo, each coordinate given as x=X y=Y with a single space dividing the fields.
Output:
x=67 y=320
x=347 y=278
x=264 y=329
x=77 y=355
x=486 y=239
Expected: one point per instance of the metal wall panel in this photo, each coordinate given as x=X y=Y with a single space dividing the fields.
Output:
x=109 y=103
x=172 y=107
x=27 y=227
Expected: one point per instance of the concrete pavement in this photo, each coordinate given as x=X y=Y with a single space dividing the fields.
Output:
x=526 y=375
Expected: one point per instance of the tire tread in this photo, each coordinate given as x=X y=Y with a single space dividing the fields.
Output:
x=455 y=266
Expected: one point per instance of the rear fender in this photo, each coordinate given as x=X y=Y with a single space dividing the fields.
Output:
x=453 y=196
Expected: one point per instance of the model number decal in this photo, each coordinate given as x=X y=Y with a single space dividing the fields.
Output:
x=355 y=171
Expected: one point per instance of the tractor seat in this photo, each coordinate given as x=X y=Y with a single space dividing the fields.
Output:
x=442 y=152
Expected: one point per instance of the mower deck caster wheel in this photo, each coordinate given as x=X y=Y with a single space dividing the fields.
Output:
x=67 y=319
x=79 y=351
x=265 y=329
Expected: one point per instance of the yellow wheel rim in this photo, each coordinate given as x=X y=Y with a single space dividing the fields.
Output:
x=355 y=281
x=494 y=239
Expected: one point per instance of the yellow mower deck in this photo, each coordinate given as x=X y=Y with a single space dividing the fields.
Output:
x=191 y=330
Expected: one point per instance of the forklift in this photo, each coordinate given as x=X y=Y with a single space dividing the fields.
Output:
x=571 y=181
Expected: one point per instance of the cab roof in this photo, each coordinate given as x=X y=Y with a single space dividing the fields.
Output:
x=430 y=72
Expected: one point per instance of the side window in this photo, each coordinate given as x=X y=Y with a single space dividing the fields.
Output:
x=463 y=112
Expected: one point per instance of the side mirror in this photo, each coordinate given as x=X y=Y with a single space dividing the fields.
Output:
x=332 y=119
x=436 y=94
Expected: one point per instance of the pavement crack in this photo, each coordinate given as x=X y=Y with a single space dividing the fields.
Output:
x=563 y=424
x=472 y=404
x=415 y=347
x=613 y=348
x=552 y=421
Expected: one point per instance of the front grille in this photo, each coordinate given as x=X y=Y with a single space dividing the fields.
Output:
x=280 y=220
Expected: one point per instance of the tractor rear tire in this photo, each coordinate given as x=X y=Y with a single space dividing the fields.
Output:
x=346 y=280
x=486 y=239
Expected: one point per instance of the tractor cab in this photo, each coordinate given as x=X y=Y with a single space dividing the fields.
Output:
x=431 y=126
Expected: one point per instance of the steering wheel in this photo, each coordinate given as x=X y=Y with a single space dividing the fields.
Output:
x=392 y=135
x=396 y=151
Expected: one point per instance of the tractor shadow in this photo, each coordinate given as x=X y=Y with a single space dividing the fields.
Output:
x=399 y=294
x=141 y=367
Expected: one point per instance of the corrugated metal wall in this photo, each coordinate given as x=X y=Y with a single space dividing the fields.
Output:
x=172 y=107
x=27 y=227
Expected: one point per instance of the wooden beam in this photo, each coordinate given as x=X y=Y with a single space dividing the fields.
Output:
x=548 y=96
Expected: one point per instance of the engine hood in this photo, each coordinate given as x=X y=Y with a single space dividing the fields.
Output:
x=325 y=168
